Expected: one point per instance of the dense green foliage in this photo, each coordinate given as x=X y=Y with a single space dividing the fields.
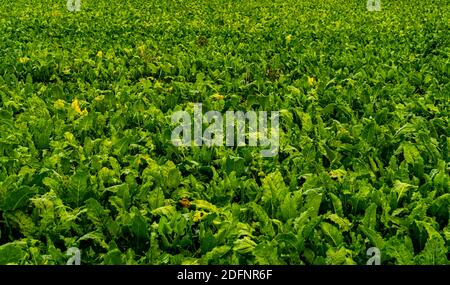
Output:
x=86 y=158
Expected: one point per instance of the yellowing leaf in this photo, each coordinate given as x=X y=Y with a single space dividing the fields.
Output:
x=59 y=104
x=338 y=173
x=23 y=60
x=76 y=107
x=288 y=38
x=205 y=205
x=311 y=81
x=198 y=216
x=217 y=96
x=141 y=50
x=99 y=98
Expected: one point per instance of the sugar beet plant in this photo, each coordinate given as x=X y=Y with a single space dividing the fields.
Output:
x=89 y=173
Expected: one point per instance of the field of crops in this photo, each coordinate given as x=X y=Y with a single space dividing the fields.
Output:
x=87 y=162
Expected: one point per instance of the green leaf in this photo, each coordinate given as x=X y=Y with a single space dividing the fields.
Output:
x=207 y=241
x=370 y=217
x=171 y=174
x=401 y=250
x=205 y=205
x=216 y=254
x=77 y=188
x=138 y=224
x=167 y=211
x=51 y=183
x=234 y=164
x=273 y=188
x=313 y=201
x=343 y=223
x=266 y=254
x=16 y=198
x=288 y=208
x=435 y=251
x=95 y=236
x=156 y=198
x=411 y=153
x=341 y=256
x=244 y=245
x=375 y=238
x=337 y=204
x=113 y=257
x=332 y=233
x=42 y=131
x=11 y=253
x=401 y=188
x=305 y=118
x=261 y=216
